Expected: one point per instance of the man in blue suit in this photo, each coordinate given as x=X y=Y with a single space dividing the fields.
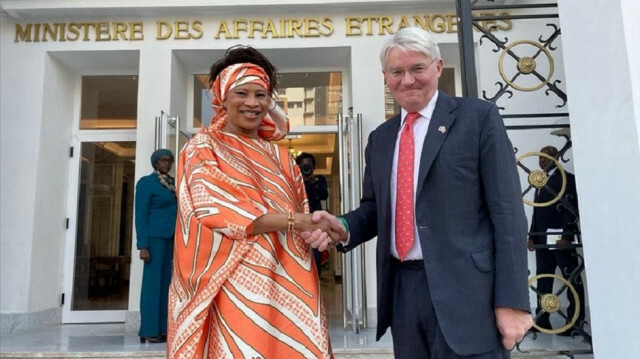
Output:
x=444 y=201
x=559 y=216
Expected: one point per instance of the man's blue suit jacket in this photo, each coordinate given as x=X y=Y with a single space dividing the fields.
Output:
x=470 y=219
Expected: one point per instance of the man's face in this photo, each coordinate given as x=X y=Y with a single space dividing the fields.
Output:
x=412 y=78
x=543 y=162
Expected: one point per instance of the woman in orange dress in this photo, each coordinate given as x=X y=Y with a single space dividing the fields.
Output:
x=244 y=283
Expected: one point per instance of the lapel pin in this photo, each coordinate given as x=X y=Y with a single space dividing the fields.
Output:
x=442 y=129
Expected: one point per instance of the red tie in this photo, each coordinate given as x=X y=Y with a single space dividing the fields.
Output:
x=404 y=188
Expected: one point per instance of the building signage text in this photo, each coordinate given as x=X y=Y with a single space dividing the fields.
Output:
x=240 y=28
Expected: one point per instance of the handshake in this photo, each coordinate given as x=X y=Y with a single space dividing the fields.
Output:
x=322 y=230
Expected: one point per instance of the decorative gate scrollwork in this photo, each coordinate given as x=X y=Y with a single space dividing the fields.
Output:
x=538 y=178
x=526 y=65
x=551 y=303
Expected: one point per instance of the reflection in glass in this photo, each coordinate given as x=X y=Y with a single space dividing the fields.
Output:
x=104 y=229
x=109 y=102
x=311 y=98
x=202 y=98
x=308 y=98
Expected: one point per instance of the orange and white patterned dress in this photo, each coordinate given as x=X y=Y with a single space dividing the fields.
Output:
x=233 y=294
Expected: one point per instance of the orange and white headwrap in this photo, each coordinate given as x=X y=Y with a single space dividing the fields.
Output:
x=275 y=124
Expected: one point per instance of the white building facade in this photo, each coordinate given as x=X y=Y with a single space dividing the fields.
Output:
x=69 y=161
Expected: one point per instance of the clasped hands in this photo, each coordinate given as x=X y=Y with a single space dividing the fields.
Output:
x=322 y=230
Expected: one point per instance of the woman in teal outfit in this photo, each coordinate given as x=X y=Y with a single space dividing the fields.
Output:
x=156 y=208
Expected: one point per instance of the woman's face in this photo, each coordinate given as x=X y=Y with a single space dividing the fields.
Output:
x=163 y=164
x=246 y=106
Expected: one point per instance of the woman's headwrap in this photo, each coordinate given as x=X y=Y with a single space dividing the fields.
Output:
x=155 y=156
x=275 y=124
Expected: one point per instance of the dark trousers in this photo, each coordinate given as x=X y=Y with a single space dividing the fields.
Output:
x=414 y=325
x=156 y=276
x=546 y=263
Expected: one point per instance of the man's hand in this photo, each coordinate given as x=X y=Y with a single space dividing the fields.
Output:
x=338 y=231
x=530 y=245
x=323 y=240
x=513 y=325
x=145 y=255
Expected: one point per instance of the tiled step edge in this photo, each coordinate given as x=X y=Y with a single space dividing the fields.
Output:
x=368 y=353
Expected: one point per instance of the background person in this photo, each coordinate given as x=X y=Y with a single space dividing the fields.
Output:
x=244 y=283
x=316 y=188
x=560 y=216
x=442 y=194
x=156 y=208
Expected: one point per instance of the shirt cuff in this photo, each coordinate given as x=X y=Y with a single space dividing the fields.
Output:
x=346 y=226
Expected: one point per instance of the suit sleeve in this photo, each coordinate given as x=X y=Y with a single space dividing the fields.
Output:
x=142 y=203
x=363 y=221
x=501 y=185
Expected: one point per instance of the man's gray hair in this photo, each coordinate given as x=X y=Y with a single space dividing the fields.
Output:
x=411 y=39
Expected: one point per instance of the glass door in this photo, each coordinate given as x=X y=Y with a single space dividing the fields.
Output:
x=104 y=176
x=100 y=201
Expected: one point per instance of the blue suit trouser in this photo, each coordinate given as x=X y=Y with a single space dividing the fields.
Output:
x=154 y=296
x=414 y=324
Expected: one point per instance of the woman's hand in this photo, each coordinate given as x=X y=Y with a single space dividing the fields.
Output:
x=303 y=222
x=328 y=232
x=145 y=255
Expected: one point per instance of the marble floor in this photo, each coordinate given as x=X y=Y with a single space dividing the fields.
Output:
x=95 y=340
x=113 y=341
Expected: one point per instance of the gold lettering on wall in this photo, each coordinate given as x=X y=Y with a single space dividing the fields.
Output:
x=278 y=29
x=254 y=26
x=223 y=28
x=163 y=30
x=503 y=25
x=181 y=30
x=73 y=31
x=385 y=25
x=251 y=28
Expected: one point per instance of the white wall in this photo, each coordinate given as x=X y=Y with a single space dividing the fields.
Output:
x=602 y=78
x=630 y=10
x=51 y=193
x=154 y=89
x=20 y=134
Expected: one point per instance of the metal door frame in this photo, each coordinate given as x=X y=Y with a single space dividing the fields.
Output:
x=68 y=314
x=354 y=300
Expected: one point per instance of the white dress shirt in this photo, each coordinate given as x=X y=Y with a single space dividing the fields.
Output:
x=420 y=127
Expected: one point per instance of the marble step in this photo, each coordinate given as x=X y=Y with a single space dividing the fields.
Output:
x=338 y=353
